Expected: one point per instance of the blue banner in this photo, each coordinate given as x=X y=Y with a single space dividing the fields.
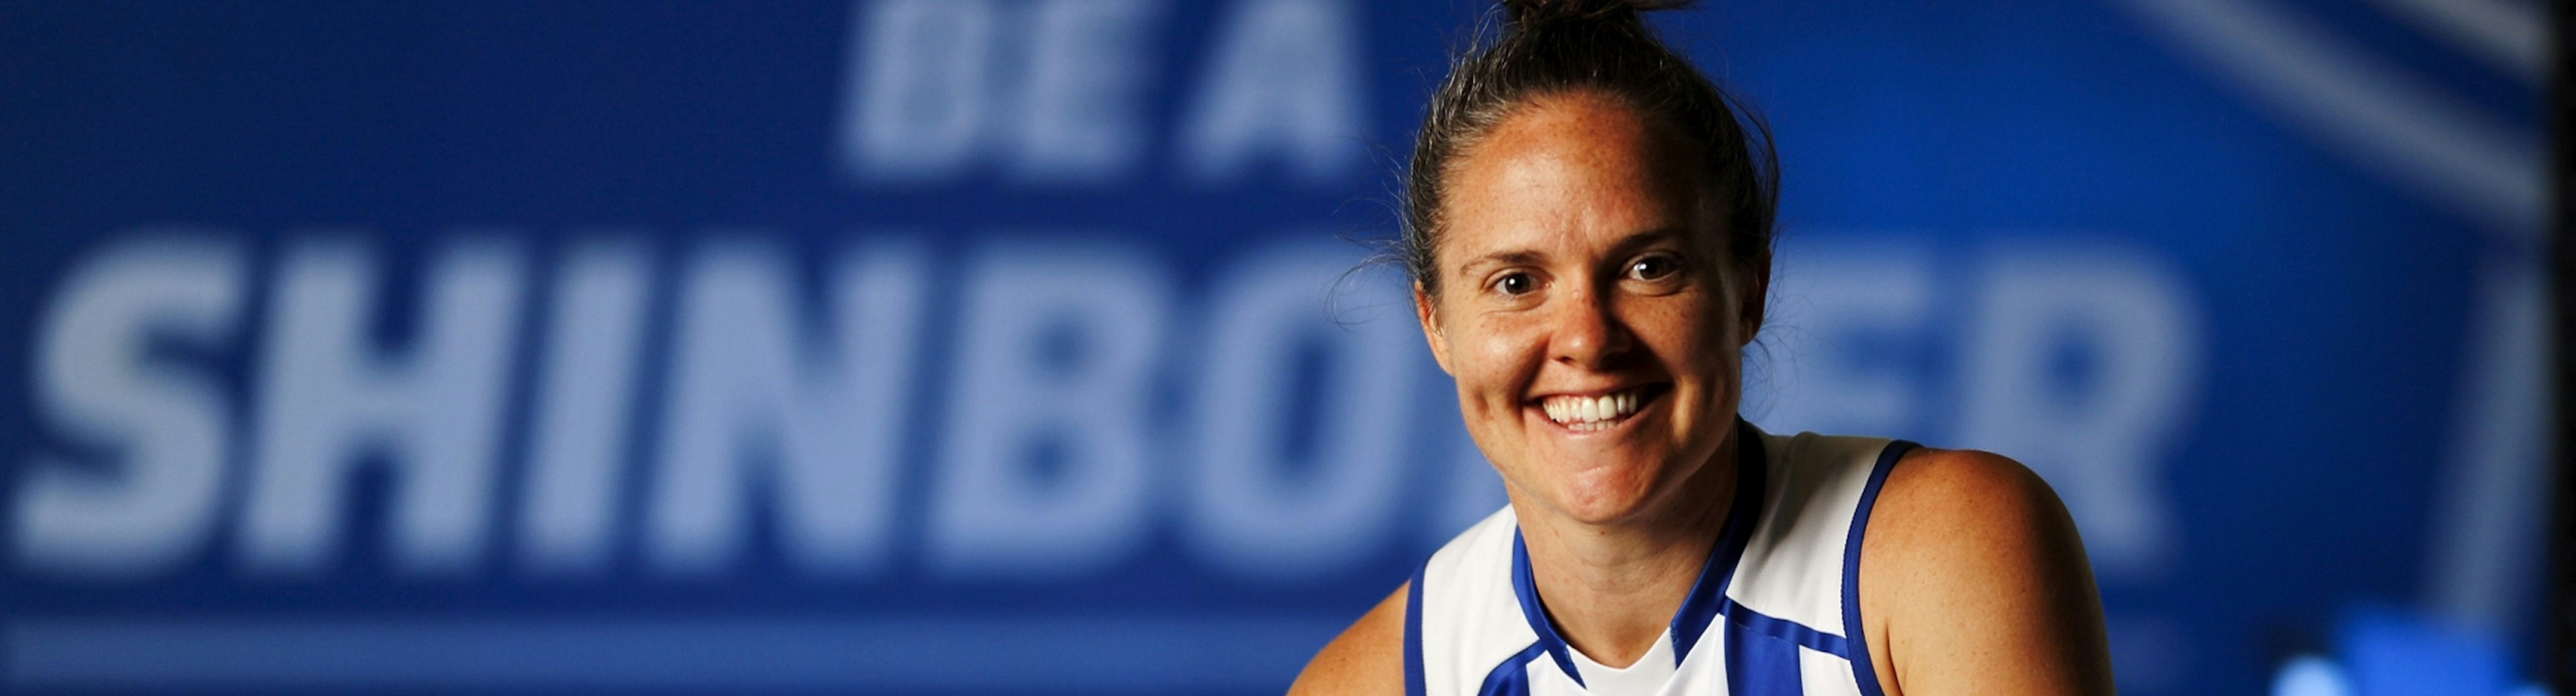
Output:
x=1017 y=346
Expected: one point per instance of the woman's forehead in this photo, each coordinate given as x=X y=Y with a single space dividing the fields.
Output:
x=1566 y=173
x=1571 y=129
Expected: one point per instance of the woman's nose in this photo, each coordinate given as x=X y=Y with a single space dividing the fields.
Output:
x=1587 y=333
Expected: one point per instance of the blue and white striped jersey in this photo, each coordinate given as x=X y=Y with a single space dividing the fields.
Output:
x=1775 y=612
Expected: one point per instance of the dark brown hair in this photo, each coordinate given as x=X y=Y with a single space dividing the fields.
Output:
x=1552 y=47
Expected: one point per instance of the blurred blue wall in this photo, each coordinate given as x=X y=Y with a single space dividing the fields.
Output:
x=1005 y=346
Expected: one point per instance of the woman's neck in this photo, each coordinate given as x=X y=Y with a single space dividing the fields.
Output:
x=1612 y=589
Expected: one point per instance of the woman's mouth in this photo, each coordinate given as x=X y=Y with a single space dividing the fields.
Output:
x=1585 y=414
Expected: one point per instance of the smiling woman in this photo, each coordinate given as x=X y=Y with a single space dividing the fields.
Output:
x=1589 y=229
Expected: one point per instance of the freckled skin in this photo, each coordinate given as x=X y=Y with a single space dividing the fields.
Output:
x=1577 y=259
x=1566 y=194
x=1579 y=254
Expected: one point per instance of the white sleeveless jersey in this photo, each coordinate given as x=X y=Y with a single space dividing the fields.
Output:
x=1776 y=611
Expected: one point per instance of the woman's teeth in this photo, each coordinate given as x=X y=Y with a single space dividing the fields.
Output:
x=1587 y=413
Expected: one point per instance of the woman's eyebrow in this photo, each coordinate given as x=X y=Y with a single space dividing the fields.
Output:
x=1507 y=257
x=1649 y=236
x=1642 y=239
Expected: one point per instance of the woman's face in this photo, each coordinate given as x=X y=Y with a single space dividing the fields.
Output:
x=1587 y=309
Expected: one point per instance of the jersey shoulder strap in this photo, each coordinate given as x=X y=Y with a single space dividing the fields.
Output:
x=1798 y=583
x=1462 y=618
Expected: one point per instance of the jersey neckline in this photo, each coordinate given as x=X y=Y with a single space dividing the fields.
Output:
x=1707 y=595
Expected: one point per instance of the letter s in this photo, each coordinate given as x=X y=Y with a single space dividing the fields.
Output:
x=164 y=427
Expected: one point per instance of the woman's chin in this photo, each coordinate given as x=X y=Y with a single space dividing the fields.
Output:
x=1617 y=490
x=1605 y=496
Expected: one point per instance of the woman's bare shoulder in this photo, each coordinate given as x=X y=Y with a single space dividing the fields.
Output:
x=1932 y=493
x=1974 y=580
x=1368 y=658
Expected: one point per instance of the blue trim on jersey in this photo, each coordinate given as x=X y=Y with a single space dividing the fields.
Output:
x=1758 y=664
x=1862 y=672
x=1784 y=629
x=1526 y=588
x=1413 y=632
x=1707 y=598
x=1511 y=678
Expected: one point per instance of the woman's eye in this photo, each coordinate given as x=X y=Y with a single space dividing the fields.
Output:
x=1515 y=284
x=1652 y=268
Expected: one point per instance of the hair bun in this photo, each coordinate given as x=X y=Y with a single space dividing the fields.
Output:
x=1530 y=12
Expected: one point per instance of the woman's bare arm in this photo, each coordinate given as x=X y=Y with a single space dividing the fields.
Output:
x=1974 y=581
x=1368 y=658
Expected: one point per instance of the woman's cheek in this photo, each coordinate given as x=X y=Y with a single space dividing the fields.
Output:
x=1502 y=352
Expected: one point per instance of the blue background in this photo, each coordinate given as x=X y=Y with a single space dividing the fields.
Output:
x=2348 y=332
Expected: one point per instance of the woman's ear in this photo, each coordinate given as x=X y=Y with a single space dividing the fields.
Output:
x=1756 y=297
x=1425 y=311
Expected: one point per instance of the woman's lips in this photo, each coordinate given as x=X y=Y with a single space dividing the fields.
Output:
x=1598 y=412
